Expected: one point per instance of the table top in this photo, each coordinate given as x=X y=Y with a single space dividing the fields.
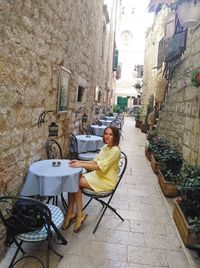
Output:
x=110 y=117
x=105 y=121
x=88 y=138
x=45 y=168
x=44 y=179
x=97 y=126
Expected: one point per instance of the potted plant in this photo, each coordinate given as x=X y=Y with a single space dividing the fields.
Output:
x=151 y=136
x=188 y=12
x=138 y=121
x=168 y=175
x=157 y=146
x=186 y=211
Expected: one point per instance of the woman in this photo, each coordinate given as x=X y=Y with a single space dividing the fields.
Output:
x=103 y=175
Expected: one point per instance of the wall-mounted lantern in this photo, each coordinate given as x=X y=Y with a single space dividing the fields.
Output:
x=84 y=118
x=189 y=13
x=53 y=129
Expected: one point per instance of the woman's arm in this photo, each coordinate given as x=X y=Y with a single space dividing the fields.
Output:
x=90 y=165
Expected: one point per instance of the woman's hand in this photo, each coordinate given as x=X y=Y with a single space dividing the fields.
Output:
x=74 y=163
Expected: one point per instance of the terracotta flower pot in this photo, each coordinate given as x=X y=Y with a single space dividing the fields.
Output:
x=155 y=165
x=188 y=236
x=168 y=188
x=148 y=153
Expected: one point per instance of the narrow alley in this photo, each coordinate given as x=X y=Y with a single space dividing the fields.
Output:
x=146 y=239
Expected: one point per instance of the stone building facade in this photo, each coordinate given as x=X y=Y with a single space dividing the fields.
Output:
x=37 y=38
x=179 y=116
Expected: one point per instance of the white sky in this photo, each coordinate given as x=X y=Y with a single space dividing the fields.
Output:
x=137 y=24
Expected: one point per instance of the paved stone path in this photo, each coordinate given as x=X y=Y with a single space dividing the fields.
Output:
x=146 y=239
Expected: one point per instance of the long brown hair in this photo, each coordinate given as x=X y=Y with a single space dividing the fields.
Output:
x=116 y=135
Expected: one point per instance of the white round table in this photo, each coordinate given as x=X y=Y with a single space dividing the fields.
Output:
x=98 y=130
x=44 y=179
x=88 y=143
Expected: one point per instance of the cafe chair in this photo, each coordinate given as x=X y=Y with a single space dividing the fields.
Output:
x=54 y=151
x=84 y=131
x=98 y=196
x=29 y=220
x=74 y=150
x=90 y=130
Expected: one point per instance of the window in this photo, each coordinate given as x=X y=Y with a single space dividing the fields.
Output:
x=81 y=91
x=63 y=88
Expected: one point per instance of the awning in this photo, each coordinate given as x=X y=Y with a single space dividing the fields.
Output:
x=126 y=92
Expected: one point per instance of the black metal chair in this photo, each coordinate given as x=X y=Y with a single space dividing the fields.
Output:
x=29 y=220
x=54 y=151
x=98 y=196
x=74 y=150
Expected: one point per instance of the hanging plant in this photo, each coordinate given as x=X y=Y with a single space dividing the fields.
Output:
x=195 y=78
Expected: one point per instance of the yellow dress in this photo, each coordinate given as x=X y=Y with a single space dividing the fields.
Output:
x=105 y=179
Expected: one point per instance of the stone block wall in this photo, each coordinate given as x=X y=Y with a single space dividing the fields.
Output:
x=180 y=116
x=36 y=38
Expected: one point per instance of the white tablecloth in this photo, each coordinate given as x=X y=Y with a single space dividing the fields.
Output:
x=98 y=130
x=105 y=122
x=89 y=143
x=111 y=118
x=45 y=180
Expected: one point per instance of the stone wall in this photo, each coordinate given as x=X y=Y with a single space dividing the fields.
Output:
x=37 y=37
x=180 y=115
x=154 y=35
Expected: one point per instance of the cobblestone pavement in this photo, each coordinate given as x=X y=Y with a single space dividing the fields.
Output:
x=146 y=239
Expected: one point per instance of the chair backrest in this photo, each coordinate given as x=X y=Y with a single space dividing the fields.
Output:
x=53 y=150
x=84 y=131
x=22 y=214
x=90 y=130
x=73 y=144
x=122 y=166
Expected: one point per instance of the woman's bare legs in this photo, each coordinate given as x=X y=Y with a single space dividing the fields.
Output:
x=71 y=200
x=78 y=200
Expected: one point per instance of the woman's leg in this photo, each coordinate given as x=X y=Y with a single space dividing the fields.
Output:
x=78 y=195
x=71 y=200
x=78 y=200
x=70 y=212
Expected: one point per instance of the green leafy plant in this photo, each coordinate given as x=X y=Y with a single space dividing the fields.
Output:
x=195 y=78
x=189 y=190
x=138 y=114
x=152 y=134
x=137 y=85
x=166 y=154
x=116 y=109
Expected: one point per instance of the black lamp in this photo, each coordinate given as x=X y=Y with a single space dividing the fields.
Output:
x=84 y=118
x=53 y=129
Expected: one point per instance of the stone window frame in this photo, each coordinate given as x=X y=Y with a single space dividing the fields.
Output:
x=63 y=90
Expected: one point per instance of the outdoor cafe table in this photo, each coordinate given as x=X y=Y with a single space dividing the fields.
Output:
x=98 y=130
x=110 y=118
x=88 y=143
x=44 y=179
x=105 y=122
